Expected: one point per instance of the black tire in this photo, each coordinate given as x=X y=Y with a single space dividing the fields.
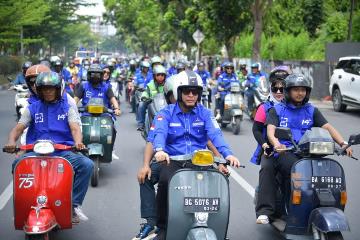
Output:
x=224 y=125
x=333 y=236
x=236 y=126
x=44 y=236
x=337 y=101
x=96 y=172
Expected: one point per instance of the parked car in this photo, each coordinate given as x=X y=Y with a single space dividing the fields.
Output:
x=345 y=84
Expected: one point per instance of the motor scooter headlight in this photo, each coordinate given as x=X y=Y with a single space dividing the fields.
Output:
x=201 y=217
x=321 y=148
x=44 y=147
x=203 y=158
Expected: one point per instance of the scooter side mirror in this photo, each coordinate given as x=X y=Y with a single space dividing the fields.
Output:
x=354 y=139
x=283 y=133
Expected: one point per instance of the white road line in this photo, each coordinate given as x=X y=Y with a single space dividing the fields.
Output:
x=243 y=183
x=6 y=195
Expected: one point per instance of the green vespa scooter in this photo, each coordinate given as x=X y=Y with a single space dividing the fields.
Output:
x=97 y=130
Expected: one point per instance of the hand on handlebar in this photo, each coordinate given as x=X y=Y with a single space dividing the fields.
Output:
x=9 y=148
x=80 y=146
x=233 y=161
x=280 y=148
x=348 y=150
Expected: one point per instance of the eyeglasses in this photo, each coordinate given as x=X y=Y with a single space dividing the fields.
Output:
x=229 y=68
x=276 y=89
x=194 y=91
x=108 y=72
x=160 y=74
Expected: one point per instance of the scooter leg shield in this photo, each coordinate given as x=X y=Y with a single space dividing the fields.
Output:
x=236 y=112
x=42 y=222
x=201 y=233
x=328 y=219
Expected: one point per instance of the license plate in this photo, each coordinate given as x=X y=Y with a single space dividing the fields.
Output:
x=327 y=182
x=197 y=204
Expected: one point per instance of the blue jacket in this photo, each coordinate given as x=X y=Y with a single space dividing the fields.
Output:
x=140 y=79
x=49 y=122
x=256 y=157
x=20 y=79
x=205 y=75
x=179 y=133
x=298 y=119
x=253 y=79
x=225 y=80
x=171 y=71
x=95 y=92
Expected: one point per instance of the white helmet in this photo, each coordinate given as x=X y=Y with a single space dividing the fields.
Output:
x=186 y=79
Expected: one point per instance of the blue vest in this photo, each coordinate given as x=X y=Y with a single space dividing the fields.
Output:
x=95 y=92
x=204 y=76
x=225 y=80
x=49 y=122
x=298 y=119
x=256 y=158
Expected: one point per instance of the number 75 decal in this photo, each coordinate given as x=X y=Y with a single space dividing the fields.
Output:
x=26 y=182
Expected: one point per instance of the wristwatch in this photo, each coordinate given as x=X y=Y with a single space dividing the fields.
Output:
x=344 y=143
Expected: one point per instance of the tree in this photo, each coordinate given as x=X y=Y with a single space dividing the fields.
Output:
x=258 y=10
x=313 y=15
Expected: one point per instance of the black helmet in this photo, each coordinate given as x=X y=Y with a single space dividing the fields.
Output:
x=228 y=64
x=95 y=74
x=26 y=65
x=180 y=66
x=201 y=64
x=279 y=73
x=297 y=80
x=49 y=79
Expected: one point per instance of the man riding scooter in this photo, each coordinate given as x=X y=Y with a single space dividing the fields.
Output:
x=299 y=115
x=188 y=118
x=64 y=129
x=153 y=88
x=223 y=87
x=95 y=87
x=251 y=83
x=20 y=78
x=206 y=78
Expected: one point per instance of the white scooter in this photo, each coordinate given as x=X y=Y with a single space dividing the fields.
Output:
x=21 y=98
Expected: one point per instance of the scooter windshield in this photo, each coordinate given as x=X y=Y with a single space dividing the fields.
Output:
x=263 y=86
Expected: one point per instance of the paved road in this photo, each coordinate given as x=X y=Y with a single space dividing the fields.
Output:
x=113 y=207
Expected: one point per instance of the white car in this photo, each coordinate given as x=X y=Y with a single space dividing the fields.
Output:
x=345 y=84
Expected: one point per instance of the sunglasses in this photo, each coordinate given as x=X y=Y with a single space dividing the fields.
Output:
x=194 y=91
x=276 y=89
x=108 y=72
x=229 y=68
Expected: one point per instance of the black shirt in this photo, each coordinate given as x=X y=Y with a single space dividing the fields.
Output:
x=273 y=118
x=79 y=92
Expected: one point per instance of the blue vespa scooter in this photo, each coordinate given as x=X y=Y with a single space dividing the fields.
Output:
x=314 y=207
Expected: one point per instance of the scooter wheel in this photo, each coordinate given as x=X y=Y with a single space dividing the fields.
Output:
x=44 y=236
x=96 y=170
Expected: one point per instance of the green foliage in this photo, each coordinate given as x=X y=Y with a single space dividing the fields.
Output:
x=336 y=27
x=313 y=14
x=356 y=27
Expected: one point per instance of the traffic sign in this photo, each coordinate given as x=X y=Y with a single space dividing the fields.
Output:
x=198 y=36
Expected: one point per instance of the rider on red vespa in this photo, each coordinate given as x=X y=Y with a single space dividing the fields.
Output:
x=54 y=119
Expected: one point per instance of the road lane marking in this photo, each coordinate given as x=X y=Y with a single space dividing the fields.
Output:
x=6 y=195
x=243 y=183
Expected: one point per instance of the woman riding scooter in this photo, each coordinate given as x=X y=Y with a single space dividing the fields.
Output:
x=299 y=115
x=277 y=81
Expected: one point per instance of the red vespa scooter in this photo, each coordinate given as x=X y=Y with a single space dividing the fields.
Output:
x=42 y=191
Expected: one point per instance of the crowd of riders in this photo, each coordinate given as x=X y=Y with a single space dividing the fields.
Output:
x=181 y=127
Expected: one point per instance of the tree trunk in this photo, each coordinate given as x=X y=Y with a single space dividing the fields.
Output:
x=258 y=25
x=229 y=45
x=350 y=20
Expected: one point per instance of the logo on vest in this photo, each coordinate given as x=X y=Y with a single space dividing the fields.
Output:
x=284 y=122
x=62 y=116
x=39 y=118
x=307 y=121
x=88 y=94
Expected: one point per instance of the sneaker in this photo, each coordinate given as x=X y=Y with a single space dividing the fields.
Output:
x=145 y=231
x=75 y=218
x=218 y=117
x=141 y=129
x=114 y=156
x=262 y=219
x=78 y=212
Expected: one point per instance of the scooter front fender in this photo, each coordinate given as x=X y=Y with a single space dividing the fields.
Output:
x=201 y=233
x=95 y=149
x=42 y=222
x=236 y=112
x=328 y=219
